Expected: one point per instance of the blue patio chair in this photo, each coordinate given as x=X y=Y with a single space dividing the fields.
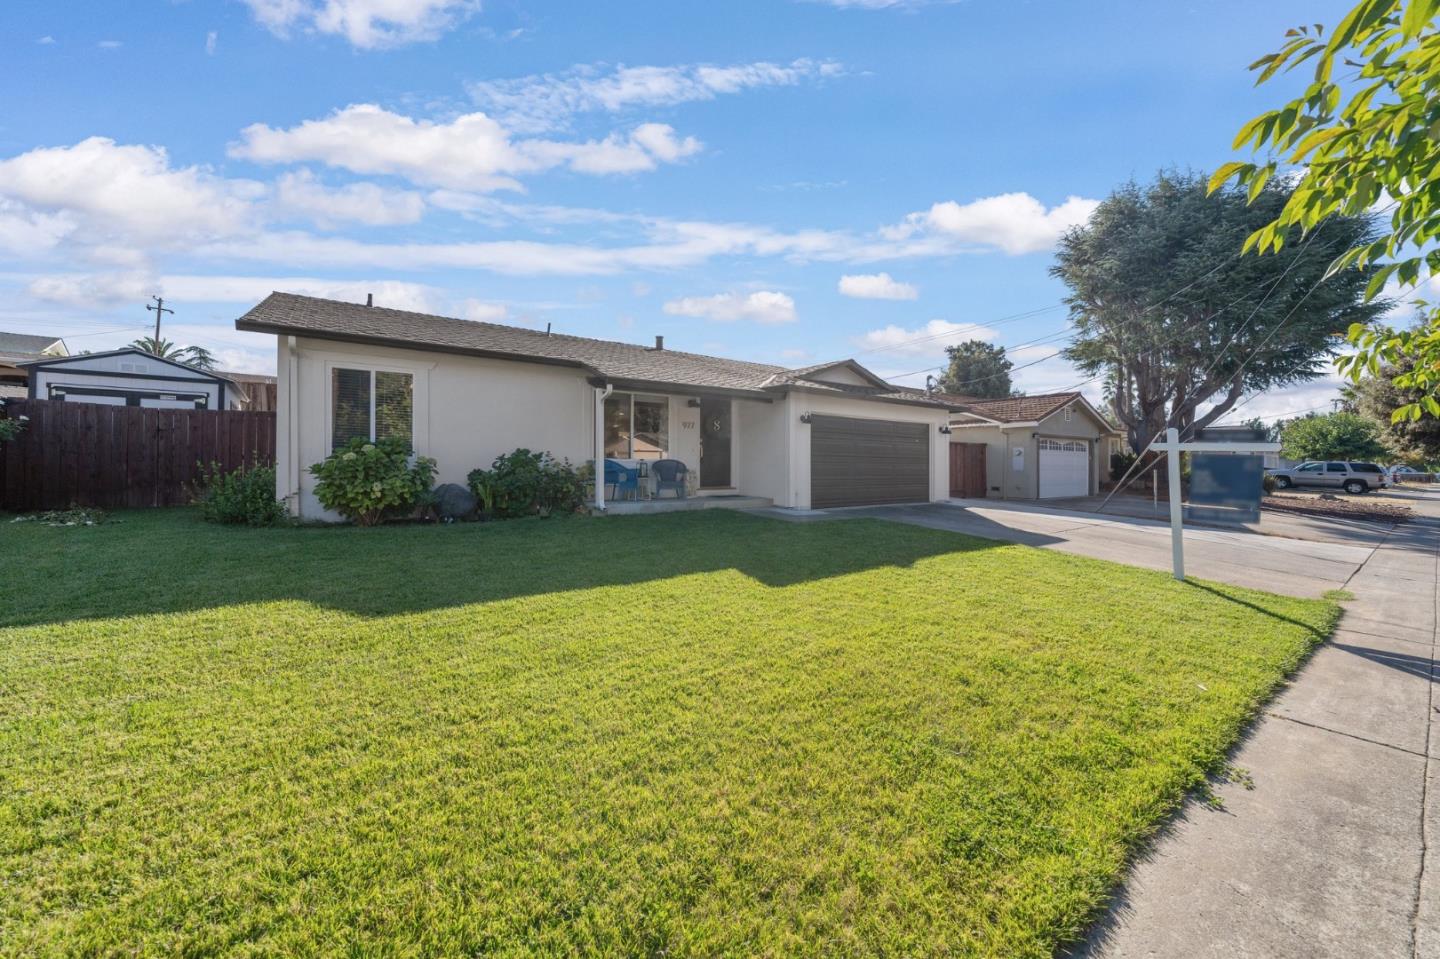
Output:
x=669 y=474
x=623 y=479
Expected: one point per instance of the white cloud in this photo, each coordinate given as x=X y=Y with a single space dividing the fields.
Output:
x=366 y=24
x=470 y=152
x=28 y=232
x=483 y=312
x=211 y=39
x=876 y=286
x=300 y=193
x=107 y=290
x=46 y=40
x=928 y=340
x=546 y=101
x=763 y=306
x=110 y=44
x=1015 y=222
x=130 y=191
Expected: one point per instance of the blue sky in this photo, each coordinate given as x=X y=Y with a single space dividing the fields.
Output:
x=786 y=181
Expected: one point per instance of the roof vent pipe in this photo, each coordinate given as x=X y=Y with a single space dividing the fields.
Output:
x=369 y=299
x=547 y=329
x=659 y=342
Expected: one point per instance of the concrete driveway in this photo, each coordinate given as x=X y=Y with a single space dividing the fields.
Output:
x=1278 y=564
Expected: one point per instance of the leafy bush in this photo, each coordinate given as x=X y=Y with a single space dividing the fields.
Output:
x=1267 y=484
x=244 y=496
x=1119 y=463
x=11 y=427
x=525 y=483
x=366 y=482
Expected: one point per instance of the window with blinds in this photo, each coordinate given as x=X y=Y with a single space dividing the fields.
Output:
x=371 y=405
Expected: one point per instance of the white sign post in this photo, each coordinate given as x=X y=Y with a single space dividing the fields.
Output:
x=1172 y=447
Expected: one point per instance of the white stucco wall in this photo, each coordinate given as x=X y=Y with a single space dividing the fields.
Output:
x=467 y=410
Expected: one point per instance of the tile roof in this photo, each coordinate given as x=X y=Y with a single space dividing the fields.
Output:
x=25 y=343
x=289 y=313
x=1019 y=409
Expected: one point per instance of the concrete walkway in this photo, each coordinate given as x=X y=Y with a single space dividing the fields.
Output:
x=1278 y=564
x=1326 y=846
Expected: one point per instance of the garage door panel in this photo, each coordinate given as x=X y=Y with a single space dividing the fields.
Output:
x=868 y=462
x=1064 y=468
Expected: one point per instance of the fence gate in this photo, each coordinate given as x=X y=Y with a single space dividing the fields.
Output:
x=967 y=469
x=89 y=454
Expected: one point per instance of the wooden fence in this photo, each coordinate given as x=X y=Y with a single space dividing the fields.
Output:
x=88 y=454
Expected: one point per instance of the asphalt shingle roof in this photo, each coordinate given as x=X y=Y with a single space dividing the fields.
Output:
x=289 y=313
x=1018 y=409
x=25 y=343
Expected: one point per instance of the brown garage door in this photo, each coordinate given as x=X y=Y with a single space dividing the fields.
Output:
x=868 y=462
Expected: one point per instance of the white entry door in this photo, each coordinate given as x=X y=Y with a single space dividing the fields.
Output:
x=1064 y=468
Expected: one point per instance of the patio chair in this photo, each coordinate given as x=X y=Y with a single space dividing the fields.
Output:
x=669 y=474
x=622 y=478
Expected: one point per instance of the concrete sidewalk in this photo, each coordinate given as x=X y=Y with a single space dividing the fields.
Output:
x=1278 y=564
x=1325 y=848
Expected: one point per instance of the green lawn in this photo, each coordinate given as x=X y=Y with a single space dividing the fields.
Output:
x=691 y=734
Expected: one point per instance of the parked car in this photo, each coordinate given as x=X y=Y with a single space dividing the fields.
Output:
x=1335 y=474
x=1400 y=472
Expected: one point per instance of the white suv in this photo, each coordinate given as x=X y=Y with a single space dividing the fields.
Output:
x=1351 y=477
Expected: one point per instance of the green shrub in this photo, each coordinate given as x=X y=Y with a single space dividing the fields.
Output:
x=525 y=483
x=1267 y=484
x=1119 y=463
x=366 y=482
x=10 y=427
x=241 y=497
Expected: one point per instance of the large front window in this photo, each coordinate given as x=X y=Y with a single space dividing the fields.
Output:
x=637 y=427
x=372 y=405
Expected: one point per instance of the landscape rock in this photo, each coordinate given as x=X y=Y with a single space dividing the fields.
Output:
x=453 y=502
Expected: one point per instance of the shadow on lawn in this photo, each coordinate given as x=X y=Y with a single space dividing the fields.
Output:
x=169 y=561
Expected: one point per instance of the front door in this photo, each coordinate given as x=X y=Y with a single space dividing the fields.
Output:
x=714 y=443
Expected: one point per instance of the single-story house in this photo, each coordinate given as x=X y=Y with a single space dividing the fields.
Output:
x=1029 y=447
x=464 y=392
x=17 y=349
x=128 y=377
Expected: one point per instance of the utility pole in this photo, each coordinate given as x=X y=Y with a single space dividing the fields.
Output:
x=160 y=308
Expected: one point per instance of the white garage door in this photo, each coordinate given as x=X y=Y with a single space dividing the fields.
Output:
x=1064 y=468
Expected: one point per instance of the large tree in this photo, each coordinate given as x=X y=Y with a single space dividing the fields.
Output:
x=1361 y=135
x=1174 y=319
x=1334 y=436
x=976 y=369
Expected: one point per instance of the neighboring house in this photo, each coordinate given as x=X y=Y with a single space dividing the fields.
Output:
x=127 y=377
x=464 y=392
x=253 y=391
x=18 y=348
x=1035 y=447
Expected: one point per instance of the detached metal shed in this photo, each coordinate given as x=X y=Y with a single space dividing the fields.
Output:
x=128 y=377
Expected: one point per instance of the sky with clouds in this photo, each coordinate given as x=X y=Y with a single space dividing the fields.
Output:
x=786 y=181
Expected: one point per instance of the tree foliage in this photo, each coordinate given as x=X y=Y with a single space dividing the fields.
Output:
x=976 y=368
x=196 y=356
x=1173 y=318
x=1361 y=140
x=1334 y=436
x=1378 y=397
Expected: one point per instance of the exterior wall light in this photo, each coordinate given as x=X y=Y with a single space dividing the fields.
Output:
x=693 y=403
x=805 y=418
x=945 y=429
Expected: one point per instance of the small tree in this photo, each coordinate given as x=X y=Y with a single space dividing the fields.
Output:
x=1378 y=397
x=196 y=356
x=976 y=369
x=1362 y=140
x=1334 y=436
